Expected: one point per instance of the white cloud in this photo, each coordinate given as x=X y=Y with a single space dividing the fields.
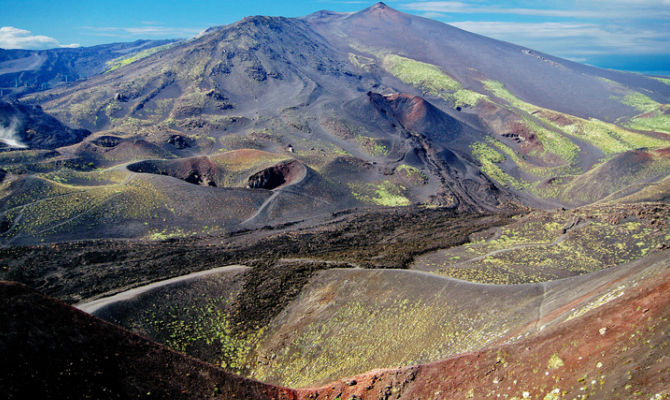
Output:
x=15 y=38
x=579 y=9
x=562 y=38
x=143 y=31
x=464 y=8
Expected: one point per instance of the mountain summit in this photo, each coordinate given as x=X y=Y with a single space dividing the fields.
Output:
x=379 y=107
x=300 y=200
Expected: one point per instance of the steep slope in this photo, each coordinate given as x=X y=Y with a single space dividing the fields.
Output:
x=343 y=321
x=252 y=65
x=537 y=78
x=624 y=174
x=372 y=115
x=546 y=117
x=441 y=143
x=53 y=351
x=241 y=87
x=601 y=335
x=609 y=344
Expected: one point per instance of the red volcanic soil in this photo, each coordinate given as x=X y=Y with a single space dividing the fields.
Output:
x=615 y=350
x=415 y=114
x=53 y=351
x=415 y=107
x=639 y=156
x=529 y=140
x=664 y=153
x=620 y=350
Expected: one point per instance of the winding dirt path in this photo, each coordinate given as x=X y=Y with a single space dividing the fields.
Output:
x=90 y=306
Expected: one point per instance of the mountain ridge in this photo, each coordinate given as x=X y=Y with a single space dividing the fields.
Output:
x=302 y=200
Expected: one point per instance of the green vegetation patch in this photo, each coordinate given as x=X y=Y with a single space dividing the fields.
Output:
x=657 y=120
x=555 y=362
x=611 y=139
x=191 y=329
x=499 y=90
x=23 y=156
x=412 y=175
x=385 y=193
x=655 y=116
x=361 y=62
x=372 y=146
x=664 y=80
x=545 y=247
x=430 y=79
x=56 y=208
x=552 y=142
x=640 y=101
x=527 y=167
x=97 y=177
x=392 y=330
x=237 y=165
x=125 y=60
x=427 y=77
x=489 y=158
x=620 y=173
x=465 y=97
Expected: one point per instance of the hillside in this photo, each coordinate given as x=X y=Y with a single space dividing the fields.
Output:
x=93 y=359
x=26 y=71
x=389 y=122
x=601 y=335
x=342 y=206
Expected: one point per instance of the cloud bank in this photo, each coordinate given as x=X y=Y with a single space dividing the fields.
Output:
x=576 y=29
x=148 y=29
x=15 y=38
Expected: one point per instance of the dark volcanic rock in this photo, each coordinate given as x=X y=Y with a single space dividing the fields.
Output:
x=274 y=177
x=196 y=170
x=53 y=351
x=181 y=142
x=267 y=179
x=107 y=141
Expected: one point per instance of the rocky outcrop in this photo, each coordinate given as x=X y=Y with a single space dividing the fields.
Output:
x=107 y=141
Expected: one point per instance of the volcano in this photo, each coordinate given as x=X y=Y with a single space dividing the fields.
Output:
x=366 y=205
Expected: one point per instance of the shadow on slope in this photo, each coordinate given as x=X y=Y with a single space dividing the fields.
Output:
x=52 y=351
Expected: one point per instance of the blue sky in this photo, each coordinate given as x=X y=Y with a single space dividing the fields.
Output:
x=623 y=34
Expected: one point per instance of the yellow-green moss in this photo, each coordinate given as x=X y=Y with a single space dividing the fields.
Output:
x=430 y=79
x=489 y=158
x=372 y=146
x=385 y=193
x=125 y=60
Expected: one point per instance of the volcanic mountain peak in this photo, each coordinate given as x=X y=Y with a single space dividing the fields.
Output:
x=379 y=7
x=382 y=13
x=363 y=165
